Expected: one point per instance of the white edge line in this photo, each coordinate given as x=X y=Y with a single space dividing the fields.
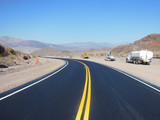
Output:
x=34 y=83
x=133 y=78
x=130 y=76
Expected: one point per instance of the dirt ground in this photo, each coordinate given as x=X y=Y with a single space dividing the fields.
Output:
x=149 y=73
x=17 y=75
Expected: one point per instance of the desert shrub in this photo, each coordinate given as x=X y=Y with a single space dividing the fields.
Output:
x=70 y=56
x=33 y=56
x=3 y=52
x=156 y=55
x=90 y=54
x=102 y=54
x=11 y=51
x=97 y=54
x=25 y=58
x=2 y=49
x=6 y=61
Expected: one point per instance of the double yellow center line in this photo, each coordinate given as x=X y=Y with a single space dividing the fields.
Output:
x=86 y=97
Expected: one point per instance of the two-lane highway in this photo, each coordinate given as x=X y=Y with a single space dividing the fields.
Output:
x=82 y=90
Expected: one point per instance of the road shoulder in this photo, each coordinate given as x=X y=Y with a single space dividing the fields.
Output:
x=149 y=73
x=14 y=79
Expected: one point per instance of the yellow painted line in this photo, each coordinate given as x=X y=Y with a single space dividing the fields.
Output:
x=87 y=109
x=86 y=96
x=79 y=114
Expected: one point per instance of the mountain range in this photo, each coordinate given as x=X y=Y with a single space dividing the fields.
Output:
x=29 y=46
x=150 y=42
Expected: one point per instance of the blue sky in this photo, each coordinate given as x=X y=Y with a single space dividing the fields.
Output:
x=64 y=21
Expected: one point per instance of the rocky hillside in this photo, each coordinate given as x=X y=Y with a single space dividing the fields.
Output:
x=150 y=42
x=8 y=57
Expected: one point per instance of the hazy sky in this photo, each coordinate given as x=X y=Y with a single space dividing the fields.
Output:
x=63 y=21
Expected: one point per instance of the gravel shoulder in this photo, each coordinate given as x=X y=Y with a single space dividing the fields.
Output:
x=17 y=75
x=149 y=73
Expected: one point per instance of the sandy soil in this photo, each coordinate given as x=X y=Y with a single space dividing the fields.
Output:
x=18 y=75
x=149 y=73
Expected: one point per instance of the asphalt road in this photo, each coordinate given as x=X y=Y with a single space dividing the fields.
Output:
x=108 y=95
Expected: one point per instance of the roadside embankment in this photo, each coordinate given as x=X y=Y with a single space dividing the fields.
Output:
x=149 y=73
x=17 y=75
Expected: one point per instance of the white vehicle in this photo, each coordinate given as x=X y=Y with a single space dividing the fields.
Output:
x=109 y=57
x=140 y=57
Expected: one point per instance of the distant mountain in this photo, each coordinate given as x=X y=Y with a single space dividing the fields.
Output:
x=29 y=46
x=45 y=51
x=26 y=45
x=150 y=42
x=49 y=51
x=78 y=46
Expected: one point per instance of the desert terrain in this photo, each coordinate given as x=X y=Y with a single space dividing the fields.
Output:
x=22 y=66
x=17 y=75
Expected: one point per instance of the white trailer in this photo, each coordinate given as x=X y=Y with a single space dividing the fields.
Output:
x=140 y=57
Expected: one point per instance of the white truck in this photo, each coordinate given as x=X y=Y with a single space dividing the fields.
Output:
x=140 y=57
x=109 y=57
